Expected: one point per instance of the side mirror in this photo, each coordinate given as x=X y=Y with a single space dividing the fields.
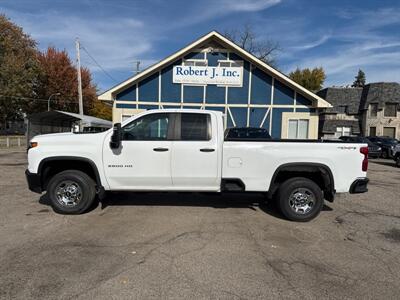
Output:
x=116 y=136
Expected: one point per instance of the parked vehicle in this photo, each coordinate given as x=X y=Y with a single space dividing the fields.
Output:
x=374 y=151
x=396 y=155
x=251 y=133
x=386 y=143
x=185 y=150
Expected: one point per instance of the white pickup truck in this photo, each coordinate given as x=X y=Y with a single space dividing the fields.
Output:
x=185 y=150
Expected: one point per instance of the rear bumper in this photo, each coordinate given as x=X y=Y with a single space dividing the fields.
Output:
x=34 y=182
x=359 y=186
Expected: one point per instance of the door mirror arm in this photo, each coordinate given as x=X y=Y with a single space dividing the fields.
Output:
x=116 y=137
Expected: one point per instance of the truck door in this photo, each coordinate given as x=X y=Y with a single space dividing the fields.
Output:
x=194 y=157
x=143 y=160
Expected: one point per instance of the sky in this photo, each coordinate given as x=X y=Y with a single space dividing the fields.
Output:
x=339 y=35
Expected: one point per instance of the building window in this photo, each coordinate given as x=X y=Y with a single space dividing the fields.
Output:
x=342 y=131
x=390 y=110
x=389 y=131
x=195 y=62
x=372 y=131
x=373 y=110
x=230 y=63
x=298 y=129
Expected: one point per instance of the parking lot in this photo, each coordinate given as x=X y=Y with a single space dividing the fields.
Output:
x=195 y=246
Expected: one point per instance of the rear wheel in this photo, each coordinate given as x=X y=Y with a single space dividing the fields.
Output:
x=71 y=192
x=300 y=199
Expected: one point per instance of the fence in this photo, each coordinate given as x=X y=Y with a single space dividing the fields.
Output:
x=12 y=141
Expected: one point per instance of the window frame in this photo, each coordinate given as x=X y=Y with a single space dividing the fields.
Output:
x=343 y=131
x=178 y=128
x=297 y=128
x=370 y=110
x=395 y=110
x=369 y=131
x=394 y=128
x=170 y=128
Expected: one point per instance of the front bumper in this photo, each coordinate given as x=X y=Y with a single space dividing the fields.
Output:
x=34 y=182
x=374 y=153
x=359 y=186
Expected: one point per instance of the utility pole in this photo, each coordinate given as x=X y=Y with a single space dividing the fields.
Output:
x=137 y=63
x=137 y=66
x=78 y=66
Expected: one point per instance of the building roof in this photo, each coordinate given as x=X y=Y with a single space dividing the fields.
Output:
x=329 y=126
x=351 y=100
x=343 y=100
x=381 y=93
x=57 y=117
x=219 y=38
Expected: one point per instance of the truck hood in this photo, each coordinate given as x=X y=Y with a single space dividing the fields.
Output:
x=68 y=138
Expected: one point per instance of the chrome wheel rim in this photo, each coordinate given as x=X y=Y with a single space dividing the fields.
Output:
x=301 y=201
x=68 y=193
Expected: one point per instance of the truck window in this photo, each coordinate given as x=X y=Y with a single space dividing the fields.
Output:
x=195 y=127
x=153 y=127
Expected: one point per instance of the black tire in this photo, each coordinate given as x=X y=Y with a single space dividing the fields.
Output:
x=285 y=200
x=398 y=161
x=78 y=180
x=385 y=154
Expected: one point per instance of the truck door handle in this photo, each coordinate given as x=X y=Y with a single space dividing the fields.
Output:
x=160 y=149
x=207 y=150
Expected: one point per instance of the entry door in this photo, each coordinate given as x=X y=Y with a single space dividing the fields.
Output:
x=143 y=160
x=194 y=162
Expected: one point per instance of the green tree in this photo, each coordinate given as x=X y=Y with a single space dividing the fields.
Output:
x=359 y=79
x=101 y=110
x=19 y=70
x=311 y=79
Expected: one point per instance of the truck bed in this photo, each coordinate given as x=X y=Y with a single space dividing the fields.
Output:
x=255 y=161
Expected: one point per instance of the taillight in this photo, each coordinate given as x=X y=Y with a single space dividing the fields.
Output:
x=364 y=166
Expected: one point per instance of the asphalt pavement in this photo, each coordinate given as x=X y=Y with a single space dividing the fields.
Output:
x=198 y=246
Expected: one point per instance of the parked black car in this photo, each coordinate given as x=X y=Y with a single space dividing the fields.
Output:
x=248 y=133
x=374 y=151
x=386 y=143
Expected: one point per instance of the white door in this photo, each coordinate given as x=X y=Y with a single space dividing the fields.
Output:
x=194 y=164
x=143 y=160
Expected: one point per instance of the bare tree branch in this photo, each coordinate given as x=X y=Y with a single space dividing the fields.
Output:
x=265 y=50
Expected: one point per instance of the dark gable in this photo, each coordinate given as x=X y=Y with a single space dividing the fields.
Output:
x=381 y=93
x=343 y=100
x=353 y=100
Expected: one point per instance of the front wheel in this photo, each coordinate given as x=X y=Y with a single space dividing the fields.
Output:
x=71 y=192
x=385 y=154
x=398 y=161
x=300 y=199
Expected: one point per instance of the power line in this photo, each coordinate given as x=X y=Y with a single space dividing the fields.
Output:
x=95 y=61
x=35 y=99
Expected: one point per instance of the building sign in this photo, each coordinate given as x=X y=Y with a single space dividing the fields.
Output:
x=231 y=76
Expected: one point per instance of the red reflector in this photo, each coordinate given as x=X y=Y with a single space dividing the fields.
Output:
x=364 y=166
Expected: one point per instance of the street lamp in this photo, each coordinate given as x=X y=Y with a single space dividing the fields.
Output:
x=48 y=101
